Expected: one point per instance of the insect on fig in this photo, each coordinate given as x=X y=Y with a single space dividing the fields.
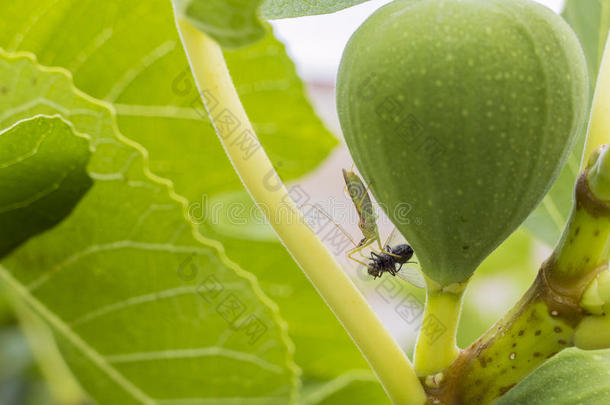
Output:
x=383 y=260
x=466 y=110
x=386 y=260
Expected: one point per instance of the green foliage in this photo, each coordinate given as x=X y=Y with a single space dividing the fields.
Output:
x=273 y=9
x=292 y=135
x=53 y=369
x=6 y=313
x=168 y=119
x=20 y=383
x=498 y=283
x=232 y=23
x=42 y=176
x=235 y=23
x=355 y=387
x=134 y=273
x=571 y=377
x=591 y=21
x=424 y=104
x=114 y=263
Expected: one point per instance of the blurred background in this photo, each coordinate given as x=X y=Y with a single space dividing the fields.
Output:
x=315 y=44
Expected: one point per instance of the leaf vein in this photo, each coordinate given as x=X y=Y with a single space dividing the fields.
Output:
x=76 y=340
x=213 y=351
x=155 y=55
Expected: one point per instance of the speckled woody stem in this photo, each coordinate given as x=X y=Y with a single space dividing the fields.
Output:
x=544 y=321
x=539 y=326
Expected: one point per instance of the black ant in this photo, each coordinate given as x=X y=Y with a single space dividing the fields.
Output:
x=386 y=262
x=387 y=259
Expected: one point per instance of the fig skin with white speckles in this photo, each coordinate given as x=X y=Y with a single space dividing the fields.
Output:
x=461 y=113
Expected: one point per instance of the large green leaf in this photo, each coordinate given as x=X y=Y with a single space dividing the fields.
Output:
x=167 y=118
x=134 y=323
x=359 y=387
x=6 y=313
x=273 y=9
x=42 y=177
x=571 y=377
x=590 y=19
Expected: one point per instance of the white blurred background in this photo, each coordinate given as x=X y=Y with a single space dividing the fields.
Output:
x=315 y=43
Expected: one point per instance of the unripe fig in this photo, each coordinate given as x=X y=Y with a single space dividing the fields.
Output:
x=465 y=111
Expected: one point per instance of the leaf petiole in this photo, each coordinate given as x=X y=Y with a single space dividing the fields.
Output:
x=386 y=358
x=436 y=347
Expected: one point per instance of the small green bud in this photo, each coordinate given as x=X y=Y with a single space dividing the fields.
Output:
x=597 y=294
x=599 y=173
x=593 y=333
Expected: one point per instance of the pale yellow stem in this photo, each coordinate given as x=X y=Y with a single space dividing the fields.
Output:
x=436 y=347
x=386 y=358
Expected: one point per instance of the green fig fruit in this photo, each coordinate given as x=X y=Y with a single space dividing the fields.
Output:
x=464 y=112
